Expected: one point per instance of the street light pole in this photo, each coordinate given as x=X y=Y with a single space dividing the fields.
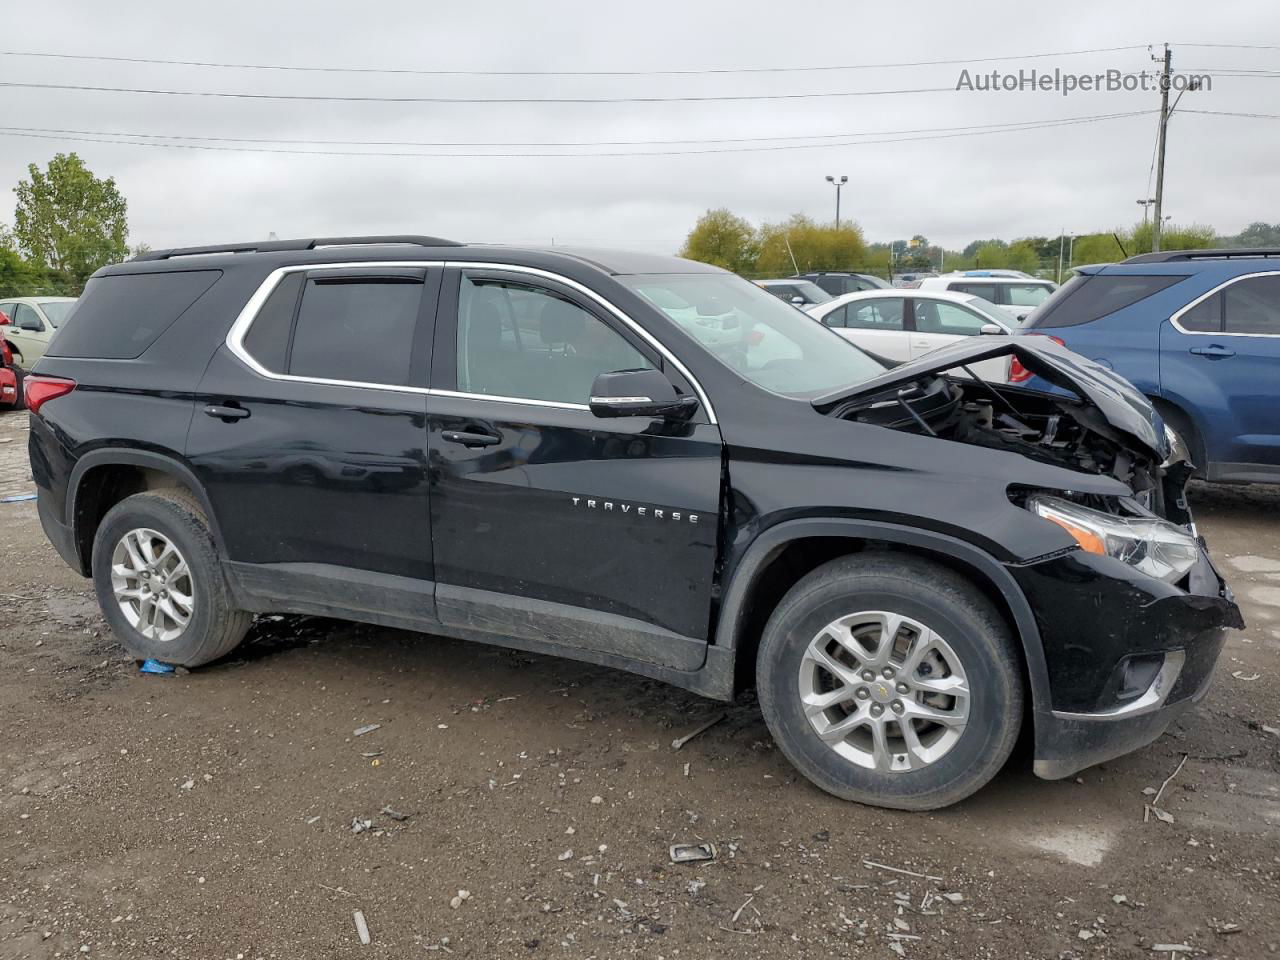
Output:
x=837 y=184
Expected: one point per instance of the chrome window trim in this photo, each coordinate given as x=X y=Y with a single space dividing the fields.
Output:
x=1205 y=296
x=244 y=320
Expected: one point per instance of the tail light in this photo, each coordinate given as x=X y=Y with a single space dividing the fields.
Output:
x=6 y=355
x=1017 y=372
x=40 y=390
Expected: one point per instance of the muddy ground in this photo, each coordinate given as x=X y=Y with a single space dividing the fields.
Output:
x=210 y=815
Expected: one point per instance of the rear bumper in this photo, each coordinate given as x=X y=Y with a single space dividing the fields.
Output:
x=1126 y=654
x=59 y=534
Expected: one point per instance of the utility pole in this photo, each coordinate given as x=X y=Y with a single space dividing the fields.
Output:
x=1062 y=238
x=837 y=184
x=1158 y=221
x=1145 y=204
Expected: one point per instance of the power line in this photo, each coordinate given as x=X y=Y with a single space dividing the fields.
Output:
x=16 y=132
x=222 y=94
x=1230 y=113
x=1231 y=46
x=985 y=127
x=557 y=73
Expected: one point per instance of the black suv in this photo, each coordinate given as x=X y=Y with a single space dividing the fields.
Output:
x=635 y=461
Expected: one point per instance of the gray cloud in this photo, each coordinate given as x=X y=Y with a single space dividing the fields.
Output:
x=1221 y=169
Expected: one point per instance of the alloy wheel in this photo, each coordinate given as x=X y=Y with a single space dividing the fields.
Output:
x=152 y=584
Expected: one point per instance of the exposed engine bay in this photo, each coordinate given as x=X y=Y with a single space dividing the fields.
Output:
x=1052 y=428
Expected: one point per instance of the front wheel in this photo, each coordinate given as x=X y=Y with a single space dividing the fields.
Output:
x=892 y=681
x=159 y=582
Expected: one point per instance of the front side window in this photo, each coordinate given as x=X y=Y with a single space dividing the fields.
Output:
x=936 y=316
x=1252 y=306
x=528 y=342
x=356 y=329
x=757 y=336
x=876 y=314
x=26 y=318
x=1027 y=294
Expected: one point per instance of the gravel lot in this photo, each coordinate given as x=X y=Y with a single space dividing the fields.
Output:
x=210 y=815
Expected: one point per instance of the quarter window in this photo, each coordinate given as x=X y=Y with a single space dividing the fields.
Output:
x=876 y=315
x=268 y=339
x=1204 y=317
x=356 y=329
x=1027 y=294
x=836 y=317
x=528 y=342
x=1252 y=306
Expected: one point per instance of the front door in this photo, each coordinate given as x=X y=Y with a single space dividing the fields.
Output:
x=28 y=333
x=549 y=523
x=307 y=435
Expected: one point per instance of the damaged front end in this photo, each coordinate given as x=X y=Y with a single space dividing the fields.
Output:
x=1132 y=617
x=1104 y=427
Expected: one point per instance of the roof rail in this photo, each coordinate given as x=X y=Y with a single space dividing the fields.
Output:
x=276 y=246
x=1230 y=253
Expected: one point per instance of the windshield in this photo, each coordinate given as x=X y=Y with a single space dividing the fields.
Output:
x=57 y=311
x=756 y=335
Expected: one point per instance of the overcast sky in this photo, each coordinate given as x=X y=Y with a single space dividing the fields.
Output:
x=1221 y=170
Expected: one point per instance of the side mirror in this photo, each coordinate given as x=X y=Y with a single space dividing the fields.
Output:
x=798 y=301
x=639 y=393
x=993 y=330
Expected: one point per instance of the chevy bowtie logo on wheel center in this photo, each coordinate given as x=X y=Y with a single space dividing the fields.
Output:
x=657 y=513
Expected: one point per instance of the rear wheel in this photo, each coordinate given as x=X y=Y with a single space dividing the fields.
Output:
x=159 y=582
x=891 y=681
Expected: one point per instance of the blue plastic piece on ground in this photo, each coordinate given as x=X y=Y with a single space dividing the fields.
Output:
x=19 y=498
x=155 y=666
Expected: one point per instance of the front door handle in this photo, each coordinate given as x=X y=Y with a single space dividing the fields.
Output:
x=1213 y=352
x=469 y=439
x=225 y=413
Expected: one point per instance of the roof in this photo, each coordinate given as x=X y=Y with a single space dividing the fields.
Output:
x=38 y=299
x=1236 y=253
x=404 y=247
x=958 y=278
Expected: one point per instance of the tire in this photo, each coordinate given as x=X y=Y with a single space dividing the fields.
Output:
x=19 y=397
x=952 y=759
x=213 y=628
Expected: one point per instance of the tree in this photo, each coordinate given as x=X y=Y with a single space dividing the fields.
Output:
x=69 y=220
x=1022 y=256
x=1256 y=234
x=724 y=239
x=813 y=247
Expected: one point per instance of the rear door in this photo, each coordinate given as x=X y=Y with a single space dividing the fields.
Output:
x=307 y=434
x=876 y=325
x=549 y=523
x=1220 y=358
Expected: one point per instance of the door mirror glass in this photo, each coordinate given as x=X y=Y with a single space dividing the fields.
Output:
x=993 y=330
x=638 y=393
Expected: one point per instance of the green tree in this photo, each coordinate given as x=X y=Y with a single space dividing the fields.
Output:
x=69 y=220
x=1256 y=234
x=814 y=247
x=991 y=254
x=18 y=277
x=1022 y=255
x=1172 y=237
x=724 y=239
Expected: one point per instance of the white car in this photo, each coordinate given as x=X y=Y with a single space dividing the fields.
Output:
x=1015 y=295
x=29 y=323
x=901 y=325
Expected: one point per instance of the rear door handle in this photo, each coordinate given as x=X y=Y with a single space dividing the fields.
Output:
x=225 y=413
x=1213 y=351
x=468 y=439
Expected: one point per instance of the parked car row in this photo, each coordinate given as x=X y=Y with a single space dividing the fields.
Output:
x=646 y=463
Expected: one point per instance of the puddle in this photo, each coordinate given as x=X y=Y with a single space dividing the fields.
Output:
x=1251 y=564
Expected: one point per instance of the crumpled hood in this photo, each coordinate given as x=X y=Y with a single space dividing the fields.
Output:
x=1115 y=398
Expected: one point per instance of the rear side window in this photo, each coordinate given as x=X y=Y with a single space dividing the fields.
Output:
x=1027 y=294
x=120 y=316
x=876 y=315
x=987 y=291
x=1088 y=297
x=356 y=329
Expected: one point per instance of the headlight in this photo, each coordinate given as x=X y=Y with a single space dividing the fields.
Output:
x=1156 y=547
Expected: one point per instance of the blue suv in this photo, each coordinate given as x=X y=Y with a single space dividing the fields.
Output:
x=1197 y=331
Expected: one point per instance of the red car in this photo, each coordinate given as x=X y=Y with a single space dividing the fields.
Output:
x=10 y=378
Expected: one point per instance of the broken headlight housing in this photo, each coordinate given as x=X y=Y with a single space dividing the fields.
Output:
x=1156 y=547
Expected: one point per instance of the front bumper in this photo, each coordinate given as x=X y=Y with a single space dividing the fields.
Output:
x=1125 y=653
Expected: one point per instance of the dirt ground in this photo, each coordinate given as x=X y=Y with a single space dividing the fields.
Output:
x=211 y=815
